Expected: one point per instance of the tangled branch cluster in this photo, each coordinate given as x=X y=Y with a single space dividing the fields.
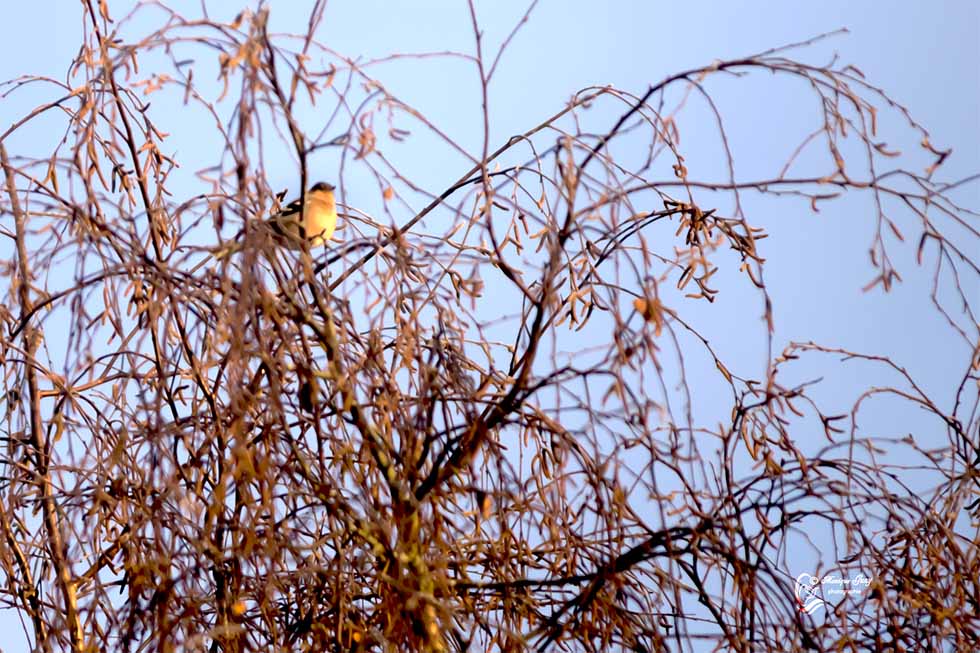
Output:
x=474 y=438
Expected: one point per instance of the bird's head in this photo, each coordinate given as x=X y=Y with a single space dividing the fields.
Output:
x=321 y=186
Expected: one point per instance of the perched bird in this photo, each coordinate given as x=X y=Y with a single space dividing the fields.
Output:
x=314 y=222
x=294 y=224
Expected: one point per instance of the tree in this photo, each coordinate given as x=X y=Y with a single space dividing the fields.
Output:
x=404 y=442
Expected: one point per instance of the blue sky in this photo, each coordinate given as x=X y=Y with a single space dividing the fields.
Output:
x=926 y=55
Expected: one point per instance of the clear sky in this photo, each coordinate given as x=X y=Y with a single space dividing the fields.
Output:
x=926 y=55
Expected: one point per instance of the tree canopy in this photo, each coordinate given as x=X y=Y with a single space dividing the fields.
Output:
x=469 y=422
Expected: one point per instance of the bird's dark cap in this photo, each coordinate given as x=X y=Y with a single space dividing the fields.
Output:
x=322 y=185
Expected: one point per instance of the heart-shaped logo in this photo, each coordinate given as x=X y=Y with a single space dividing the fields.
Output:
x=808 y=595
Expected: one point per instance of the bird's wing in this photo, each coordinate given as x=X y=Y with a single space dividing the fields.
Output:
x=286 y=223
x=292 y=208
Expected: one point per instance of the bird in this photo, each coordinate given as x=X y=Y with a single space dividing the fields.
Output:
x=313 y=223
x=294 y=226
